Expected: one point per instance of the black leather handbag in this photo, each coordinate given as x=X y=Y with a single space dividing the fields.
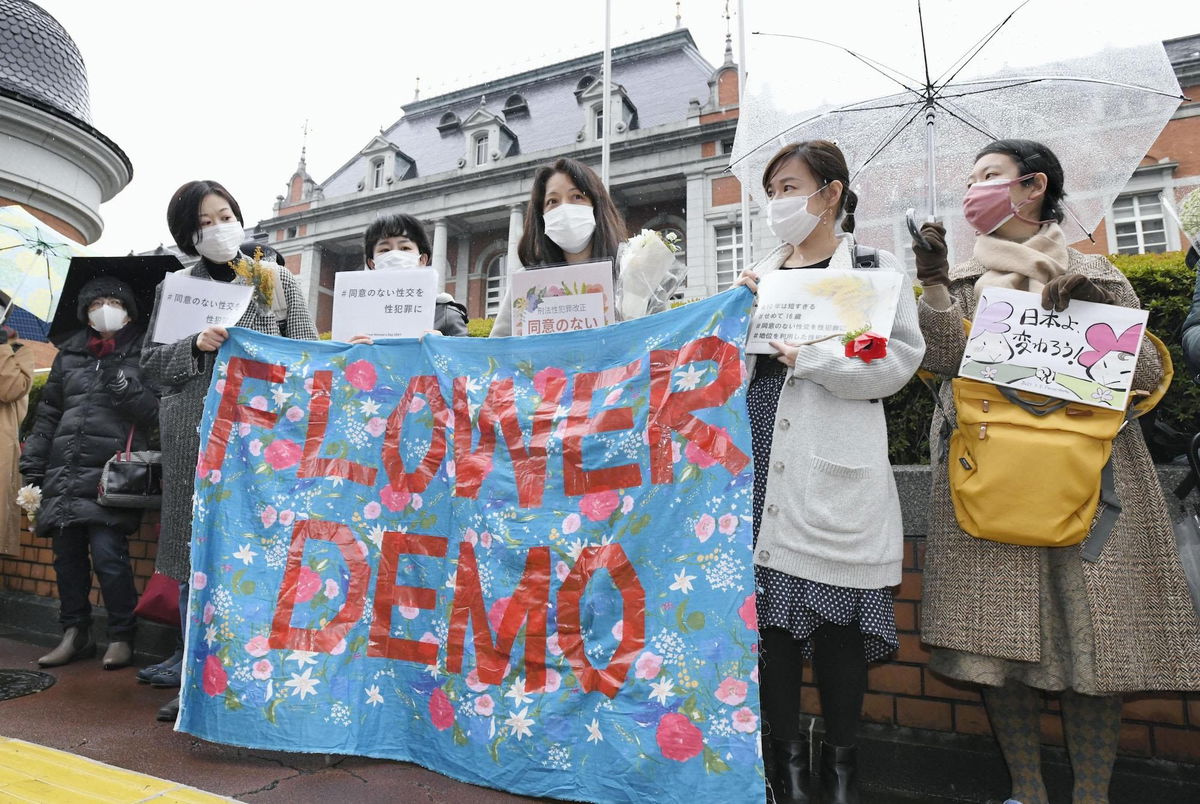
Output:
x=132 y=479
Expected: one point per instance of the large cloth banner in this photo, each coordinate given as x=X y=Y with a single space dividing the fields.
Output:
x=524 y=563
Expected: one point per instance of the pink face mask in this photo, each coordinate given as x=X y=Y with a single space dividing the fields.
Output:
x=987 y=205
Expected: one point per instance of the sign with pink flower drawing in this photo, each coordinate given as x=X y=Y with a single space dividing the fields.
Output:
x=1087 y=353
x=521 y=563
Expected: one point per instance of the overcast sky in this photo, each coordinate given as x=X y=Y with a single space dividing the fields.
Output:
x=221 y=89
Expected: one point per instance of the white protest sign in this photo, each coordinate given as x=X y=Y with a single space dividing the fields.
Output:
x=562 y=298
x=1085 y=354
x=189 y=305
x=384 y=304
x=797 y=305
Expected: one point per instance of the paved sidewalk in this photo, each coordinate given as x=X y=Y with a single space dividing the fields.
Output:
x=109 y=717
x=35 y=774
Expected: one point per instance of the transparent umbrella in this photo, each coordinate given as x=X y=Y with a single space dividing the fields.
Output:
x=921 y=110
x=33 y=261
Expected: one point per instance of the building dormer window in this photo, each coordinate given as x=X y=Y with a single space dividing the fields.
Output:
x=377 y=174
x=598 y=116
x=515 y=106
x=448 y=123
x=584 y=83
x=481 y=149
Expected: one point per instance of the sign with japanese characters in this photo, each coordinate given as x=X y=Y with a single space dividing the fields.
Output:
x=189 y=305
x=1086 y=354
x=523 y=563
x=384 y=304
x=562 y=298
x=797 y=305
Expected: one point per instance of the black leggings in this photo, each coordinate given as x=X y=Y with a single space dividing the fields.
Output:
x=839 y=661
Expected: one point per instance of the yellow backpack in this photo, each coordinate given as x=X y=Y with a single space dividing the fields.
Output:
x=1032 y=470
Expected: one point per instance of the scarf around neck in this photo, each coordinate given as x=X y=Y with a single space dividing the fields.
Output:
x=1021 y=266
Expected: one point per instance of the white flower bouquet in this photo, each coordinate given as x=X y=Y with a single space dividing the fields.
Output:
x=649 y=273
x=29 y=498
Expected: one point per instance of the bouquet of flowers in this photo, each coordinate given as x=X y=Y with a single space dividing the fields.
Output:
x=29 y=498
x=1189 y=214
x=649 y=273
x=263 y=278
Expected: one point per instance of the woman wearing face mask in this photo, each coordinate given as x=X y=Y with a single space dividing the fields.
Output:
x=1021 y=619
x=398 y=242
x=828 y=535
x=570 y=219
x=205 y=221
x=91 y=402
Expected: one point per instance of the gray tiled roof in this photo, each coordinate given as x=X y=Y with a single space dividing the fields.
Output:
x=659 y=80
x=38 y=59
x=1183 y=49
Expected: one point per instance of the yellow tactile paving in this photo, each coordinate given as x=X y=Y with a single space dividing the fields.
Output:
x=39 y=775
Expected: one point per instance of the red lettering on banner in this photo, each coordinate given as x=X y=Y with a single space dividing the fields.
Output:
x=389 y=594
x=581 y=423
x=419 y=479
x=312 y=465
x=528 y=605
x=499 y=409
x=229 y=411
x=633 y=618
x=326 y=638
x=673 y=410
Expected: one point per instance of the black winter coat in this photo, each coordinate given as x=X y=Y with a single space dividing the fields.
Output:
x=81 y=422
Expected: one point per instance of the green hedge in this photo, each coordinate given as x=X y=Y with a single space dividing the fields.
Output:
x=1164 y=284
x=480 y=327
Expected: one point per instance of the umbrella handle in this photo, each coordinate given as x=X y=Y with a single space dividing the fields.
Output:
x=910 y=218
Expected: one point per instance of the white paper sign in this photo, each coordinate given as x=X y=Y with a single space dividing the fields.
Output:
x=384 y=304
x=543 y=297
x=190 y=305
x=1085 y=354
x=798 y=305
x=565 y=314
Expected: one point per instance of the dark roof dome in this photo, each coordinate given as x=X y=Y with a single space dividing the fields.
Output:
x=38 y=59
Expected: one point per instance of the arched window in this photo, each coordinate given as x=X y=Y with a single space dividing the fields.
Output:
x=584 y=83
x=377 y=174
x=481 y=149
x=598 y=116
x=494 y=290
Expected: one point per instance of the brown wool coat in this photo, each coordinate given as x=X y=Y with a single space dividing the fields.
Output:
x=982 y=597
x=16 y=377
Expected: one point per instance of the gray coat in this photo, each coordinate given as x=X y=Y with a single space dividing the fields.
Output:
x=184 y=373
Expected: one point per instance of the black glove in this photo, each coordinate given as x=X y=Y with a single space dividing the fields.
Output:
x=1059 y=291
x=114 y=379
x=33 y=480
x=932 y=267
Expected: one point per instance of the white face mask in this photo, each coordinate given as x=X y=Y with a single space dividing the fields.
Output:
x=790 y=219
x=219 y=242
x=570 y=226
x=108 y=318
x=396 y=260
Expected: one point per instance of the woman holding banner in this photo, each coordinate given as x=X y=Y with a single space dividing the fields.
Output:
x=205 y=221
x=828 y=534
x=1090 y=621
x=570 y=219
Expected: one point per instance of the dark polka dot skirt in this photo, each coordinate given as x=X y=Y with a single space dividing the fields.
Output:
x=797 y=604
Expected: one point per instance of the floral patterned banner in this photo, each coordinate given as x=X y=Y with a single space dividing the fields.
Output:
x=523 y=563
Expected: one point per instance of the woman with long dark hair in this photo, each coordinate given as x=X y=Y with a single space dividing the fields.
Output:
x=570 y=218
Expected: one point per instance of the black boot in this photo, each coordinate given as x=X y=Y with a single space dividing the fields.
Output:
x=839 y=774
x=790 y=778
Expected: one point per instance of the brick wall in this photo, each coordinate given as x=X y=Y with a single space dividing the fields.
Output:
x=904 y=692
x=901 y=692
x=32 y=570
